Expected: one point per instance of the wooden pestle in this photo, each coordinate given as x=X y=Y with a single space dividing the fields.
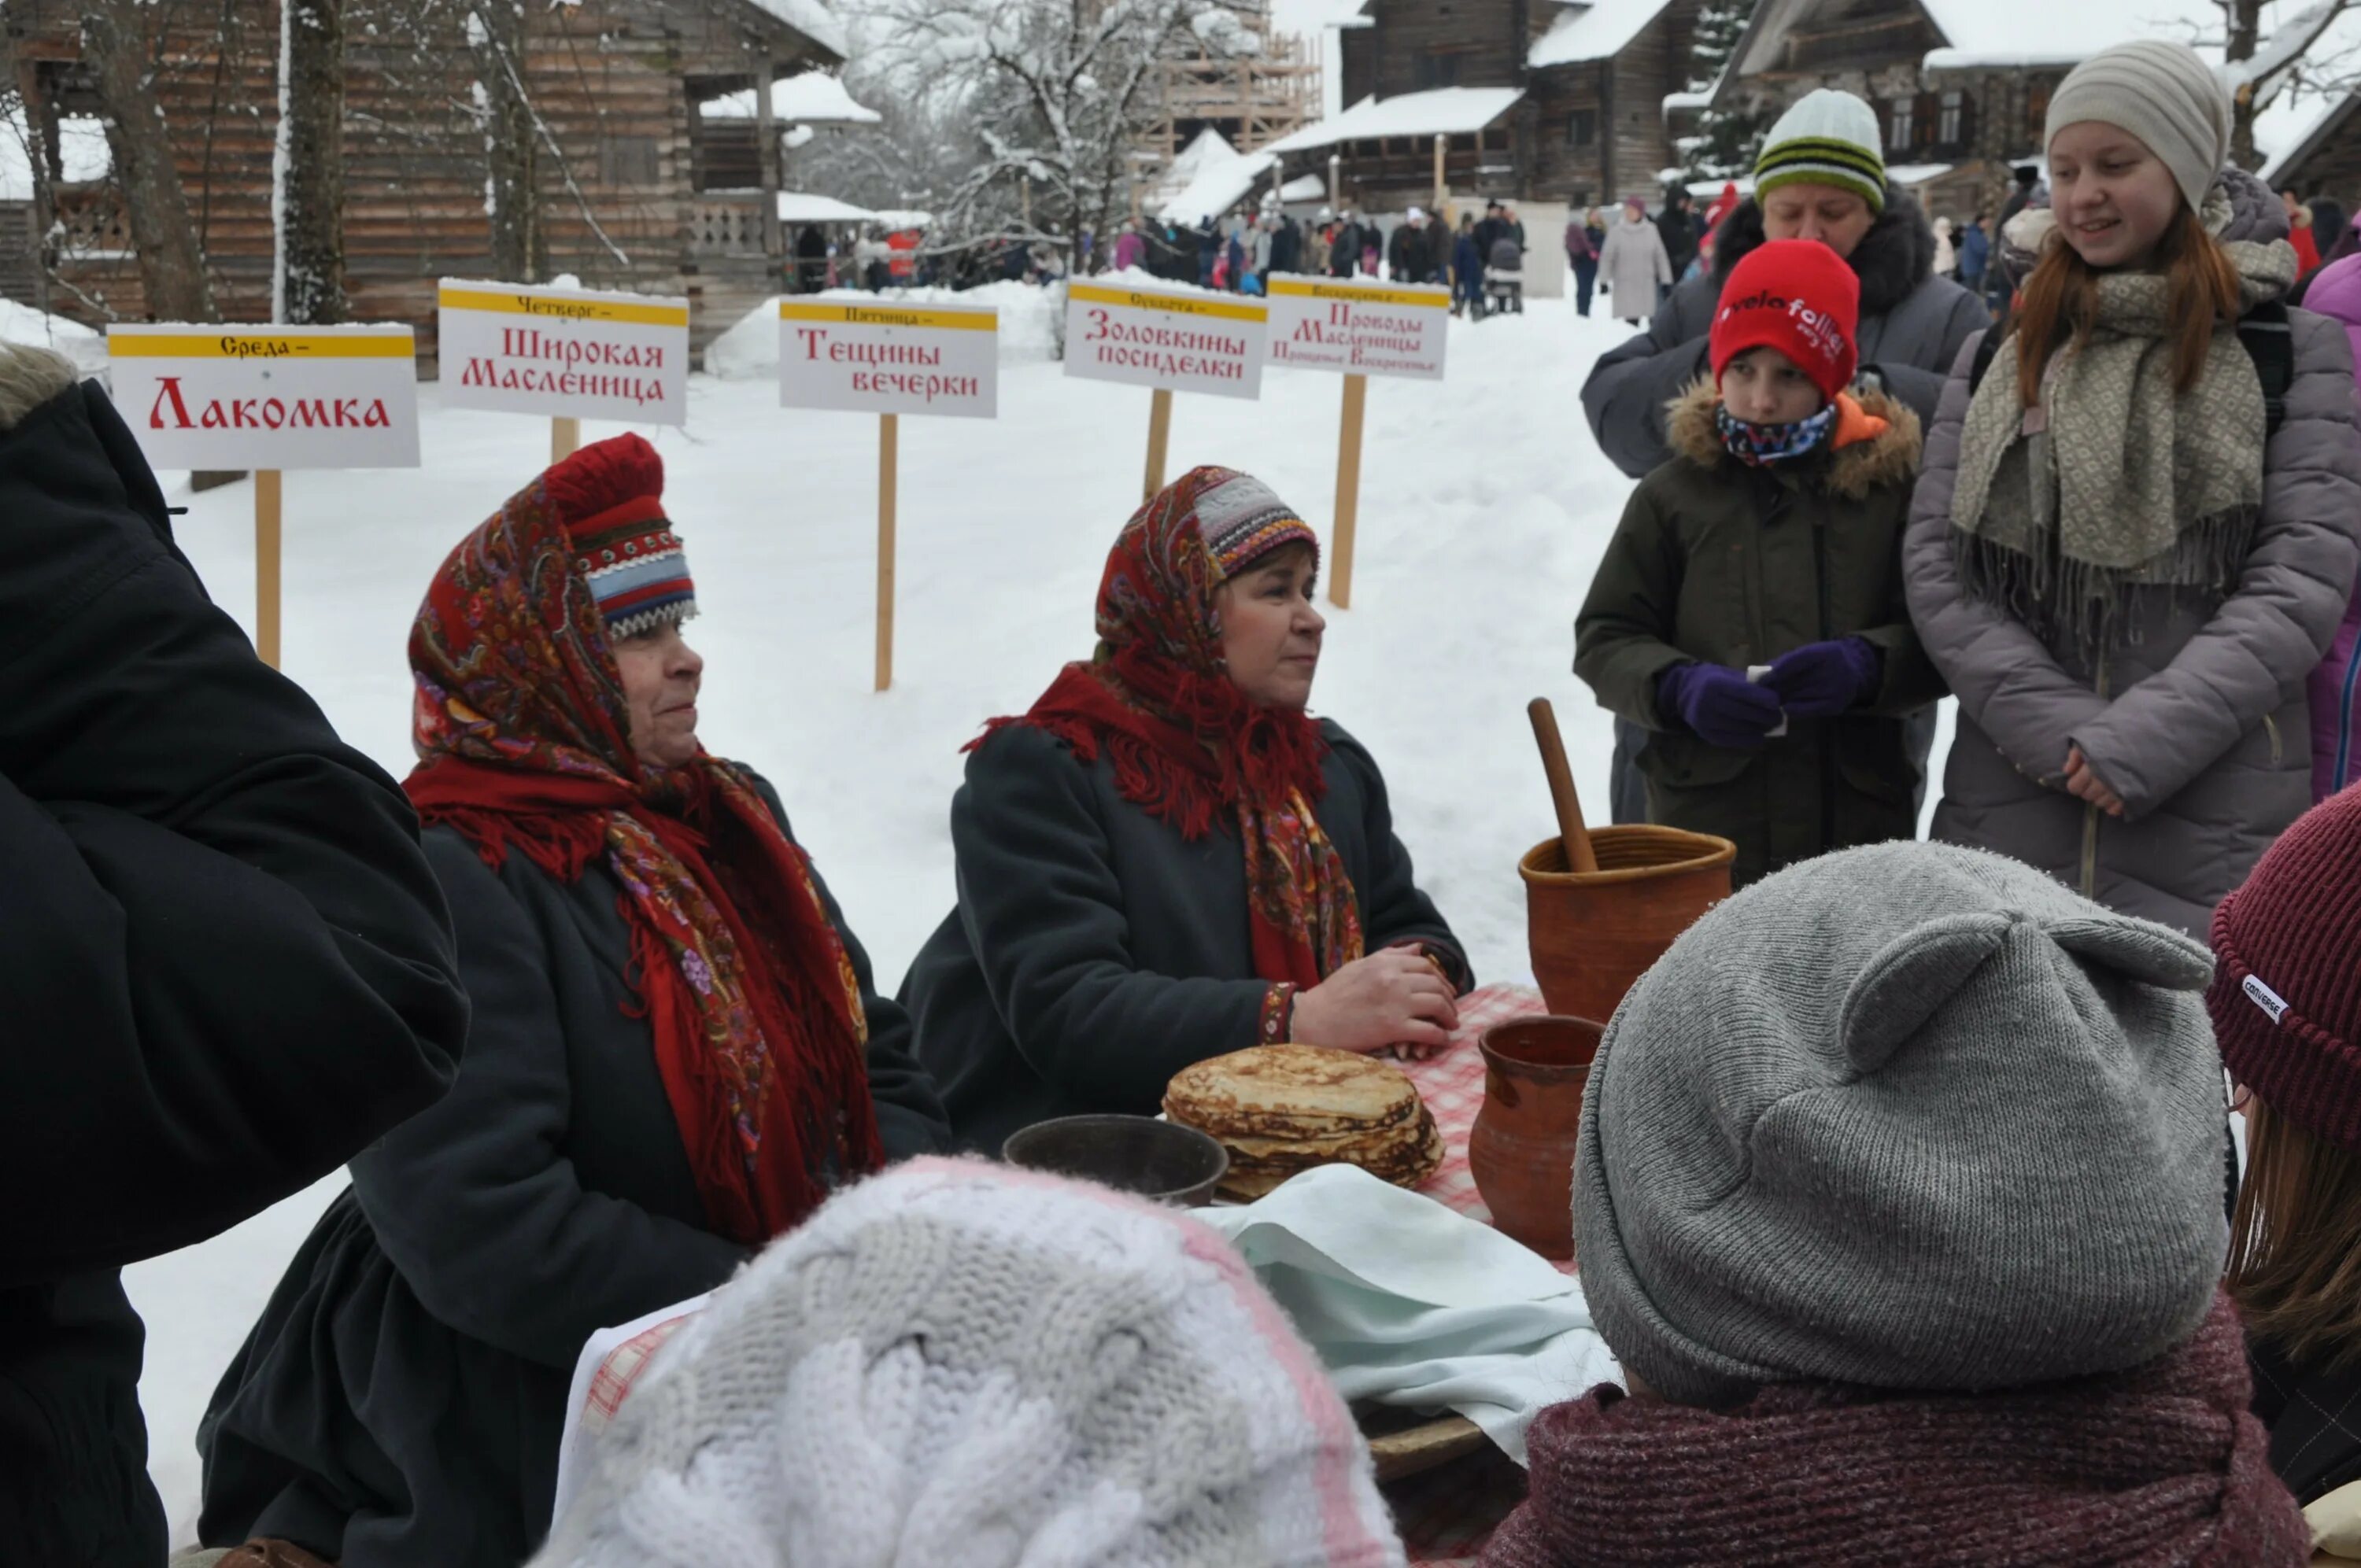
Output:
x=1579 y=855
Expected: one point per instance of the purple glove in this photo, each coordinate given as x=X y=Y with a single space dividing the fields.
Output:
x=1719 y=704
x=1820 y=680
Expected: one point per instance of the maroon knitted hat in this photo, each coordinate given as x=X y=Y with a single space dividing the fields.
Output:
x=2286 y=997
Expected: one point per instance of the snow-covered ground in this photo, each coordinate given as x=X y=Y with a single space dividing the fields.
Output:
x=1485 y=506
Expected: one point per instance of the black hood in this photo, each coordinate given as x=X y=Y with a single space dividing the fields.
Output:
x=1892 y=260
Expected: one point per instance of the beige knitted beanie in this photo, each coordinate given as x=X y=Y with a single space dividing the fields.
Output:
x=2164 y=94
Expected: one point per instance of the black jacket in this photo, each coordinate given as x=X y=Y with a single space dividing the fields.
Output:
x=2314 y=1419
x=225 y=965
x=1416 y=253
x=1094 y=952
x=1680 y=235
x=401 y=1398
x=1913 y=325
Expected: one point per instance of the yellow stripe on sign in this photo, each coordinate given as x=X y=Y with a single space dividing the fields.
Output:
x=1363 y=294
x=257 y=346
x=1137 y=299
x=563 y=310
x=891 y=315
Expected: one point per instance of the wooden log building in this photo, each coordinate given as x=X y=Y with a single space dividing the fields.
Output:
x=631 y=186
x=1583 y=122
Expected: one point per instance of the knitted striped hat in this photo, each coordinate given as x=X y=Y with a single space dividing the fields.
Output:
x=2286 y=997
x=1241 y=522
x=1828 y=138
x=958 y=1363
x=610 y=499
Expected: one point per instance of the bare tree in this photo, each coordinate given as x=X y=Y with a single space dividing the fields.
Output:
x=1055 y=94
x=2262 y=66
x=308 y=168
x=118 y=47
x=511 y=187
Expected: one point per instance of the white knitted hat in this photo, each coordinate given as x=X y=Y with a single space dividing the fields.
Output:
x=958 y=1364
x=1828 y=138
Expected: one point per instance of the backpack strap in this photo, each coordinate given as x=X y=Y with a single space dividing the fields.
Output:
x=2264 y=332
x=2269 y=342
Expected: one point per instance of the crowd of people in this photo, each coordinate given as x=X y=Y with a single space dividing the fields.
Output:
x=1900 y=1196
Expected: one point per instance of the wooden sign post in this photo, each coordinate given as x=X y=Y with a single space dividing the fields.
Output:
x=266 y=511
x=1170 y=339
x=1160 y=441
x=566 y=353
x=842 y=351
x=889 y=464
x=261 y=399
x=1359 y=329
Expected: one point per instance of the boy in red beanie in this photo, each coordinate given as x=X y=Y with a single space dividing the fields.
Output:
x=1749 y=611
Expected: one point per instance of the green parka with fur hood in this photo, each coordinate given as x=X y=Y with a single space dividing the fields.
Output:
x=1720 y=561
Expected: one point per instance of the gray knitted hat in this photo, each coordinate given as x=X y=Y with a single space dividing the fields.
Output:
x=2162 y=93
x=1912 y=1116
x=963 y=1364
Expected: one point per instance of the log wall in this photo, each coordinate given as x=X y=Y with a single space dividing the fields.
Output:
x=617 y=162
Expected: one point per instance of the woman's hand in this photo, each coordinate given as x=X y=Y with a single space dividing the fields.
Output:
x=1397 y=997
x=2083 y=782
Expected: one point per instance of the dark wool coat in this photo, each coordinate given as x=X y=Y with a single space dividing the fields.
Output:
x=401 y=1398
x=1912 y=326
x=2314 y=1419
x=1094 y=952
x=2202 y=725
x=1722 y=563
x=225 y=965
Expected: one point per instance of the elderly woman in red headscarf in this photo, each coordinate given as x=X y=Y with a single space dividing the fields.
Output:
x=1167 y=859
x=674 y=1053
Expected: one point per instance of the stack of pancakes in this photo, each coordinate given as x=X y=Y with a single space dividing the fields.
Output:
x=1283 y=1109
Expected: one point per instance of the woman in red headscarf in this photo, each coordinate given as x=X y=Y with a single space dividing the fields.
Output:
x=1167 y=859
x=675 y=1052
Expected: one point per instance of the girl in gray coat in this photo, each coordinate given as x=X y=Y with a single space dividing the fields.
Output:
x=2122 y=559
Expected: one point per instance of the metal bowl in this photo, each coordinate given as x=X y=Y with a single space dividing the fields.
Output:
x=1162 y=1160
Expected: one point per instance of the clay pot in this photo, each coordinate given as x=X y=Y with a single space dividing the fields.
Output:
x=1520 y=1151
x=1591 y=935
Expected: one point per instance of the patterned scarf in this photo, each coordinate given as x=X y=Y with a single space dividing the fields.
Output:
x=520 y=729
x=2160 y=1465
x=1760 y=446
x=2115 y=479
x=1186 y=744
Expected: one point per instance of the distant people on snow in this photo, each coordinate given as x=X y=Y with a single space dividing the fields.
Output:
x=1632 y=266
x=1415 y=254
x=1678 y=227
x=1584 y=234
x=1466 y=270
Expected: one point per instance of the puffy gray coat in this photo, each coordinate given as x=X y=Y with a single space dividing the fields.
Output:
x=2202 y=724
x=1912 y=324
x=1631 y=262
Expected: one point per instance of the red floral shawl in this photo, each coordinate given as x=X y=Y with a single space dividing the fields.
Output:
x=520 y=727
x=1186 y=744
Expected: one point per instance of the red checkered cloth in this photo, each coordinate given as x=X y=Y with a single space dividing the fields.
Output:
x=1445 y=1520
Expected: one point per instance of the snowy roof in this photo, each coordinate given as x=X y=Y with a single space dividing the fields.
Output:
x=2015 y=34
x=1304 y=188
x=1911 y=174
x=1217 y=187
x=1441 y=111
x=814 y=20
x=2288 y=133
x=1315 y=15
x=802 y=207
x=1598 y=31
x=894 y=219
x=812 y=98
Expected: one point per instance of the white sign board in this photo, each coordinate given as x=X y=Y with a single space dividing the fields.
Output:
x=1187 y=341
x=564 y=353
x=1363 y=329
x=889 y=359
x=269 y=397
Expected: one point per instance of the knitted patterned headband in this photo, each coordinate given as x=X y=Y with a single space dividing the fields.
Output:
x=1242 y=521
x=610 y=496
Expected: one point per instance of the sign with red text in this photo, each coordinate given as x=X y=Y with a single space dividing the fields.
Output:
x=1181 y=339
x=274 y=397
x=564 y=353
x=1359 y=329
x=889 y=359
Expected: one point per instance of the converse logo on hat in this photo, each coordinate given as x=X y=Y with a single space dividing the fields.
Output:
x=2264 y=997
